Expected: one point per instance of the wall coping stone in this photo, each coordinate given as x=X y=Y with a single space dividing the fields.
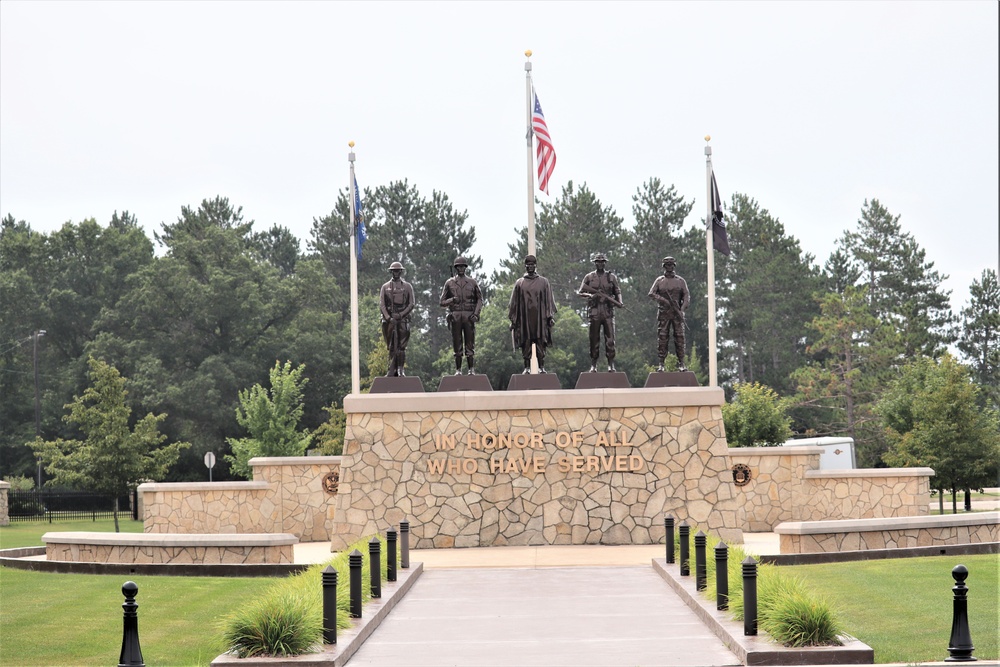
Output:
x=892 y=523
x=172 y=539
x=870 y=472
x=4 y=485
x=800 y=450
x=203 y=486
x=534 y=400
x=294 y=460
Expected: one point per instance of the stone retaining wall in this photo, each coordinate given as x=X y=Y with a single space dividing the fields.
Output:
x=288 y=495
x=787 y=485
x=471 y=469
x=836 y=536
x=4 y=511
x=87 y=547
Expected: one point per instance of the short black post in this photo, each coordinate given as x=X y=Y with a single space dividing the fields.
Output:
x=131 y=655
x=700 y=564
x=685 y=532
x=375 y=566
x=354 y=563
x=390 y=554
x=329 y=605
x=668 y=529
x=749 y=596
x=721 y=576
x=404 y=544
x=960 y=646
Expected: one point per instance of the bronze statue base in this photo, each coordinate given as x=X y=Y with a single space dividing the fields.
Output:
x=522 y=382
x=465 y=383
x=609 y=380
x=397 y=385
x=679 y=379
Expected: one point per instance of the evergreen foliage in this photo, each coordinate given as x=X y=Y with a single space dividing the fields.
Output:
x=979 y=340
x=756 y=417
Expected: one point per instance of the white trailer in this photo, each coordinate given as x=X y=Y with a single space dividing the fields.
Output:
x=838 y=453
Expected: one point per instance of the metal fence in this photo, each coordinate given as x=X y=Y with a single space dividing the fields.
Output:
x=64 y=505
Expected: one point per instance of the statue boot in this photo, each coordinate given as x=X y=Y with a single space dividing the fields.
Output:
x=527 y=368
x=400 y=363
x=659 y=368
x=458 y=364
x=593 y=365
x=472 y=364
x=611 y=365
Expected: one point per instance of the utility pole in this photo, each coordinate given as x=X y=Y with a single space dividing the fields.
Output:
x=38 y=411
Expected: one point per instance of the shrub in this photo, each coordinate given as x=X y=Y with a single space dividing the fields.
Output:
x=756 y=417
x=786 y=610
x=288 y=618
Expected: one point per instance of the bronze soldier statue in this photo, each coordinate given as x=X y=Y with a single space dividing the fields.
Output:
x=463 y=299
x=672 y=297
x=532 y=313
x=395 y=300
x=603 y=295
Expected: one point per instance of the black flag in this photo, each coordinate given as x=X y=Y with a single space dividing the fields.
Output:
x=719 y=240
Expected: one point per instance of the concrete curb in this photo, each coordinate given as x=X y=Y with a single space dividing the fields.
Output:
x=760 y=649
x=348 y=641
x=26 y=558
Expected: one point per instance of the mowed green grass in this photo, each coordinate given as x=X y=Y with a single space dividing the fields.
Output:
x=76 y=620
x=902 y=607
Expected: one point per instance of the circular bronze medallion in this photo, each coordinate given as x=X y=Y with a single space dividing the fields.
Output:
x=331 y=482
x=741 y=474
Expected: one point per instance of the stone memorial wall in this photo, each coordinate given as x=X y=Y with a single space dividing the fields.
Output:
x=598 y=466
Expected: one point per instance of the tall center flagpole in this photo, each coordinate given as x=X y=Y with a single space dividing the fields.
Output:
x=531 y=158
x=355 y=354
x=713 y=370
x=531 y=176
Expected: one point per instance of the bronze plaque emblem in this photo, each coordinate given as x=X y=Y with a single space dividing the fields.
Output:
x=331 y=482
x=741 y=474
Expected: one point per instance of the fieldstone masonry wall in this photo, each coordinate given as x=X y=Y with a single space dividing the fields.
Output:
x=4 y=515
x=926 y=531
x=786 y=485
x=288 y=495
x=536 y=467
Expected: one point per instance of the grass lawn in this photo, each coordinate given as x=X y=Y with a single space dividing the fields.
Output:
x=902 y=607
x=76 y=619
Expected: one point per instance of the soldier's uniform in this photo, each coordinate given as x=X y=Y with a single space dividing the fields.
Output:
x=464 y=300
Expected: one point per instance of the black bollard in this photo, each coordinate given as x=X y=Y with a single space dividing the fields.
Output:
x=721 y=576
x=685 y=532
x=329 y=575
x=668 y=529
x=354 y=563
x=404 y=544
x=960 y=646
x=390 y=554
x=749 y=596
x=700 y=564
x=375 y=566
x=131 y=655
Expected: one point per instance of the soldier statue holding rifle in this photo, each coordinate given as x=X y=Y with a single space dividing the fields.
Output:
x=603 y=295
x=670 y=292
x=395 y=301
x=464 y=300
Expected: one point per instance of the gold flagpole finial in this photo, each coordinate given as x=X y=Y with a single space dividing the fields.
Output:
x=708 y=137
x=351 y=144
x=527 y=53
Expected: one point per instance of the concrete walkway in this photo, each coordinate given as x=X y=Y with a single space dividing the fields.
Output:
x=579 y=616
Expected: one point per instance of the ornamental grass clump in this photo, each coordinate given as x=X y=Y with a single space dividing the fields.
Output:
x=287 y=619
x=786 y=609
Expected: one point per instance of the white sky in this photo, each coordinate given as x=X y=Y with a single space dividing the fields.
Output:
x=812 y=108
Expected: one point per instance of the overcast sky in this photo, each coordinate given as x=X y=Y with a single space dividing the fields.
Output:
x=812 y=108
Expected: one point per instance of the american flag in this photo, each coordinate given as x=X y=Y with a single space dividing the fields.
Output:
x=544 y=153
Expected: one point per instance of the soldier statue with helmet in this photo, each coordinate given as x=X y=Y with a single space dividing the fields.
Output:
x=603 y=294
x=670 y=292
x=395 y=301
x=464 y=300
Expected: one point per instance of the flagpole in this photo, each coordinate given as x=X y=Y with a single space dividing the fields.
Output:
x=531 y=157
x=355 y=354
x=713 y=370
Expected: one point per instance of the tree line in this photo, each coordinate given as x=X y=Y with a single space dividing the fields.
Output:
x=204 y=310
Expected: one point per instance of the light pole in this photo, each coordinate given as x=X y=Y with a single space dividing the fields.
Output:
x=38 y=412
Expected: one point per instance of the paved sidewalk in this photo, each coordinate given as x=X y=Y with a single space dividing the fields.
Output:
x=575 y=616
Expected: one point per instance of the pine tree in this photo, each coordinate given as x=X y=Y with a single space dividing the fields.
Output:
x=980 y=335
